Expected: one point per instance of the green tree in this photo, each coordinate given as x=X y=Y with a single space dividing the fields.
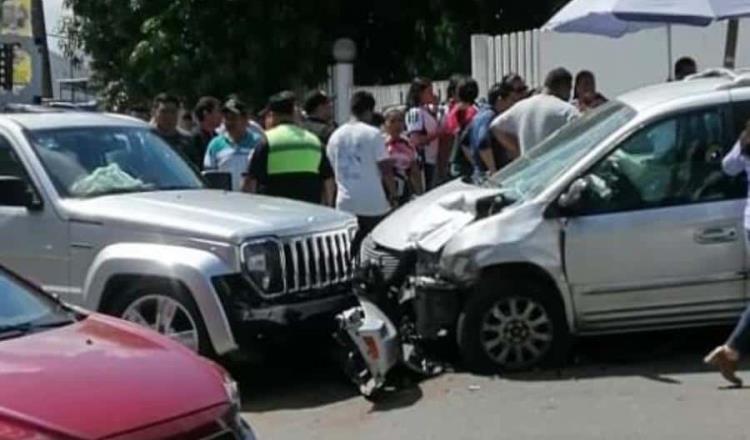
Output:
x=256 y=47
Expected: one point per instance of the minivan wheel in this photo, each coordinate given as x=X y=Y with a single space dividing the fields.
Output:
x=166 y=308
x=512 y=325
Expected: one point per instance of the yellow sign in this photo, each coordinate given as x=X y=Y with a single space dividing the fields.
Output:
x=22 y=71
x=15 y=18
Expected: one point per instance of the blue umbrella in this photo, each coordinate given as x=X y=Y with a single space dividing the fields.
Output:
x=689 y=12
x=594 y=17
x=598 y=17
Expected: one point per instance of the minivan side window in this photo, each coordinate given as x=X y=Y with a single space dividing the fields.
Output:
x=672 y=162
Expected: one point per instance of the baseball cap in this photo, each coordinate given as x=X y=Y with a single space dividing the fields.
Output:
x=315 y=99
x=234 y=105
x=283 y=102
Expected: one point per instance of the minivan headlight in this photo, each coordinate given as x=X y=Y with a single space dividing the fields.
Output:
x=262 y=264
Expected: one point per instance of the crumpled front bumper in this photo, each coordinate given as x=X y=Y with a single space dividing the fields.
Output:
x=300 y=316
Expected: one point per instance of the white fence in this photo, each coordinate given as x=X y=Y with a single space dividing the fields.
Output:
x=619 y=64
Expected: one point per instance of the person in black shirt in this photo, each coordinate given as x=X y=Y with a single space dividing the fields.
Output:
x=208 y=114
x=166 y=110
x=319 y=116
x=291 y=162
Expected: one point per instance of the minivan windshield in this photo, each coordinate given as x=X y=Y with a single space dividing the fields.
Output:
x=531 y=173
x=88 y=162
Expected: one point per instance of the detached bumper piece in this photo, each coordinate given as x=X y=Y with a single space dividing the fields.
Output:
x=437 y=305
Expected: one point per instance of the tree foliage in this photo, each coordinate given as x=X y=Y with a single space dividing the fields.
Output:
x=256 y=47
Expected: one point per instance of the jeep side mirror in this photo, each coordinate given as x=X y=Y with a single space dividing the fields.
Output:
x=218 y=180
x=574 y=194
x=15 y=191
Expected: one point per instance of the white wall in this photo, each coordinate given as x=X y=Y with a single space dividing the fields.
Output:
x=632 y=61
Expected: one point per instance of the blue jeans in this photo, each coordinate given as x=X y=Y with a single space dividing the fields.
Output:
x=740 y=338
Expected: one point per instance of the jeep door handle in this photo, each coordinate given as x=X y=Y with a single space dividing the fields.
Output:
x=716 y=235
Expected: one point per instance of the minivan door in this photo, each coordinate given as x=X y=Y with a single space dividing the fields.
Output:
x=657 y=239
x=33 y=242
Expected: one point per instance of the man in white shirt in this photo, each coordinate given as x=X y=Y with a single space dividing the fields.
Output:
x=362 y=168
x=532 y=120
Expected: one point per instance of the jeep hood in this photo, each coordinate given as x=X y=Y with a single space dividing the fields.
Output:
x=433 y=219
x=210 y=214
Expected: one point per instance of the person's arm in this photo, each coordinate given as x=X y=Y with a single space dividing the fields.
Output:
x=488 y=159
x=504 y=128
x=509 y=142
x=329 y=192
x=734 y=162
x=208 y=159
x=256 y=169
x=329 y=182
x=389 y=180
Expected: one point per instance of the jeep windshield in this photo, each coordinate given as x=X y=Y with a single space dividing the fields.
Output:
x=530 y=174
x=85 y=162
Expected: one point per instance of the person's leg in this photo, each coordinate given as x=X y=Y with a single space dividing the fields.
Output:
x=366 y=225
x=726 y=357
x=429 y=176
x=739 y=341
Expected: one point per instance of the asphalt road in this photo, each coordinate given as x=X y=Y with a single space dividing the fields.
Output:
x=650 y=386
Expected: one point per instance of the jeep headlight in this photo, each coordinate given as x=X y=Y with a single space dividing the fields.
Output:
x=262 y=264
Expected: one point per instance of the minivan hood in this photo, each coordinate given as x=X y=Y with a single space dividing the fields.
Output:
x=210 y=214
x=431 y=220
x=101 y=377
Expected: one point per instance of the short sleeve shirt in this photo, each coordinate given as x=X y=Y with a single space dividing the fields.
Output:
x=458 y=119
x=355 y=150
x=421 y=120
x=402 y=153
x=223 y=154
x=305 y=187
x=534 y=119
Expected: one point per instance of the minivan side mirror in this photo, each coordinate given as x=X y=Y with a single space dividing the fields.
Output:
x=218 y=180
x=15 y=191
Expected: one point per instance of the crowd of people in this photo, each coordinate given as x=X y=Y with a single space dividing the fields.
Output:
x=376 y=161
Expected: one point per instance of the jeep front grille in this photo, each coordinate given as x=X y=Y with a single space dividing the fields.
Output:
x=317 y=261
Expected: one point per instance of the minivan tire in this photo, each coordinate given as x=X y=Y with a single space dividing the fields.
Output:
x=494 y=321
x=144 y=290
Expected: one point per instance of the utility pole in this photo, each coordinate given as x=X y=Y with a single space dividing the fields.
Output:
x=39 y=27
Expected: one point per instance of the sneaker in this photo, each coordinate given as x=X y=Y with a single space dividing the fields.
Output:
x=725 y=360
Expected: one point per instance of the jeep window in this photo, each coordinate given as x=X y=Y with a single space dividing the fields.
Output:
x=675 y=161
x=531 y=173
x=95 y=161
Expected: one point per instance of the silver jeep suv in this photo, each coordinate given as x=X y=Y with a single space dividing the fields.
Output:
x=100 y=211
x=621 y=221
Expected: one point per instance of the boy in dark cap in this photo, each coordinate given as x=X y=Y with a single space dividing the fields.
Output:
x=319 y=115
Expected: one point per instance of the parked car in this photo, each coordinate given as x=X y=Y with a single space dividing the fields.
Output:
x=99 y=210
x=621 y=221
x=68 y=374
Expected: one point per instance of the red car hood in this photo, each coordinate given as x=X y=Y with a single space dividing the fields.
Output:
x=101 y=377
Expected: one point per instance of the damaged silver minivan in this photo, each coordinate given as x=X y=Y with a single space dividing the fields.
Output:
x=621 y=221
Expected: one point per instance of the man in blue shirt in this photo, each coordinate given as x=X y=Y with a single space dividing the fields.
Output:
x=231 y=150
